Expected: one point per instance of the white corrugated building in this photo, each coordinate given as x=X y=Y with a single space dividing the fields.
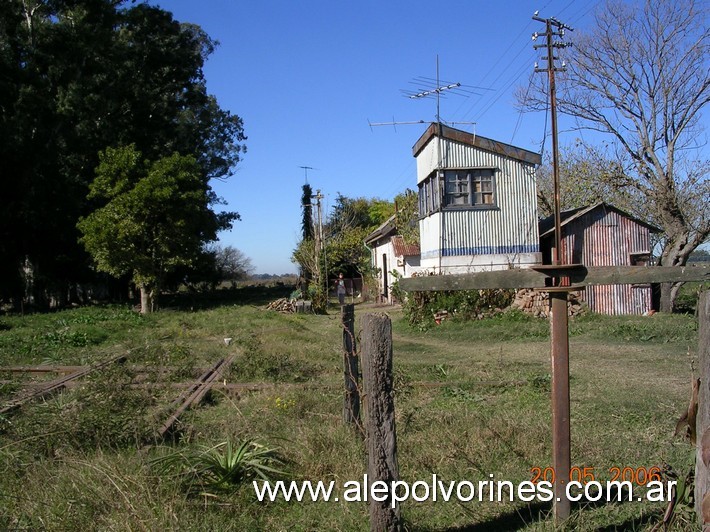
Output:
x=477 y=202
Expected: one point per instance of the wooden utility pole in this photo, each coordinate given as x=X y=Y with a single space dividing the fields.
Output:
x=319 y=239
x=559 y=327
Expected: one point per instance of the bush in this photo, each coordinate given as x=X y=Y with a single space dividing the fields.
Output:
x=420 y=307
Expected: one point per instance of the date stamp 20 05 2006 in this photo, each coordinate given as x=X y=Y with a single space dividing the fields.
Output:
x=636 y=475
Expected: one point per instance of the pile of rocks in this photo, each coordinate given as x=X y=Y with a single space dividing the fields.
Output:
x=536 y=302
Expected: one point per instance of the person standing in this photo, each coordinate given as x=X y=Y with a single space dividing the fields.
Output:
x=340 y=289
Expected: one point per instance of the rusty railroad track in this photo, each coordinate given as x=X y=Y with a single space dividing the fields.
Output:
x=193 y=393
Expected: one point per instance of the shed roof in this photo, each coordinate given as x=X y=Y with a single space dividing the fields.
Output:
x=383 y=230
x=388 y=229
x=476 y=141
x=547 y=225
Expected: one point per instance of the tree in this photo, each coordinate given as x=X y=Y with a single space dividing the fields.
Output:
x=156 y=217
x=588 y=175
x=641 y=77
x=307 y=220
x=79 y=76
x=231 y=263
x=407 y=216
x=346 y=227
x=348 y=224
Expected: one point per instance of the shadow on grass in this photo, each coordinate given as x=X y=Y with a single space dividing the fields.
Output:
x=513 y=520
x=523 y=517
x=633 y=523
x=248 y=295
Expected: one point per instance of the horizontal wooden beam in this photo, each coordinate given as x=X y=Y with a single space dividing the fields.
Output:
x=584 y=276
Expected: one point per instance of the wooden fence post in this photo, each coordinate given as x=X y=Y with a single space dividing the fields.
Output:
x=382 y=465
x=351 y=400
x=702 y=425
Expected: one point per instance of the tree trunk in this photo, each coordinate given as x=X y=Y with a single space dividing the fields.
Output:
x=146 y=299
x=675 y=253
x=669 y=293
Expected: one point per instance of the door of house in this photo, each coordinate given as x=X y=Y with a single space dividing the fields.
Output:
x=385 y=280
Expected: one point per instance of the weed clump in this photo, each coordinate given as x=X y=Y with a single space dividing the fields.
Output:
x=256 y=364
x=421 y=307
x=222 y=468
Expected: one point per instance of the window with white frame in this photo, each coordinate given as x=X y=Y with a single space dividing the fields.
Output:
x=470 y=187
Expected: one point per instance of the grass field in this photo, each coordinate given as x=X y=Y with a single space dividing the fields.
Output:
x=472 y=399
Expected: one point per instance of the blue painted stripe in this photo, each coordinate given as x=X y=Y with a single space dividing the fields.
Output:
x=490 y=250
x=482 y=250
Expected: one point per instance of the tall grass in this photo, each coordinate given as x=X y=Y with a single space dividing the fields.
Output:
x=472 y=399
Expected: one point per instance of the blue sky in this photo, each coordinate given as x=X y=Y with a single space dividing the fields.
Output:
x=307 y=76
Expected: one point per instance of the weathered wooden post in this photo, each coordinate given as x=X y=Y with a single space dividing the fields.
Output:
x=702 y=425
x=382 y=465
x=351 y=400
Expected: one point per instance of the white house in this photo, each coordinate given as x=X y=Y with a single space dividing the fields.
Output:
x=477 y=202
x=390 y=253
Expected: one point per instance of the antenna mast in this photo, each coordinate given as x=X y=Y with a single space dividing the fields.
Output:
x=306 y=168
x=436 y=90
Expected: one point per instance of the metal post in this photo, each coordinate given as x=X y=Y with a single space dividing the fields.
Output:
x=561 y=457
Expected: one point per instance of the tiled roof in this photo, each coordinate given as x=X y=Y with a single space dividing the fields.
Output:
x=401 y=249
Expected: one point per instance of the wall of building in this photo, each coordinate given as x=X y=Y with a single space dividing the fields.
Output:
x=464 y=240
x=404 y=266
x=604 y=237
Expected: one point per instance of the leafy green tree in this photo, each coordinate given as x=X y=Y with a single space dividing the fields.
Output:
x=157 y=217
x=407 y=216
x=347 y=254
x=349 y=222
x=79 y=76
x=354 y=212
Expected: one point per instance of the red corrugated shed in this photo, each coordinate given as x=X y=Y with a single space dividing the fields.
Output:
x=603 y=235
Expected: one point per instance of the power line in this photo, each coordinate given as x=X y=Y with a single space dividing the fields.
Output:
x=522 y=111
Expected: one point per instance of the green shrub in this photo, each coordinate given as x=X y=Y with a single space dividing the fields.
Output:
x=421 y=307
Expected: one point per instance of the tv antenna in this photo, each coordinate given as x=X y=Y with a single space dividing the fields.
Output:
x=431 y=87
x=305 y=169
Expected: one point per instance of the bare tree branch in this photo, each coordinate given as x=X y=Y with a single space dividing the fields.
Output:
x=642 y=77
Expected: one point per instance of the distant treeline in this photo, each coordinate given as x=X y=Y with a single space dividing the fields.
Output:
x=272 y=276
